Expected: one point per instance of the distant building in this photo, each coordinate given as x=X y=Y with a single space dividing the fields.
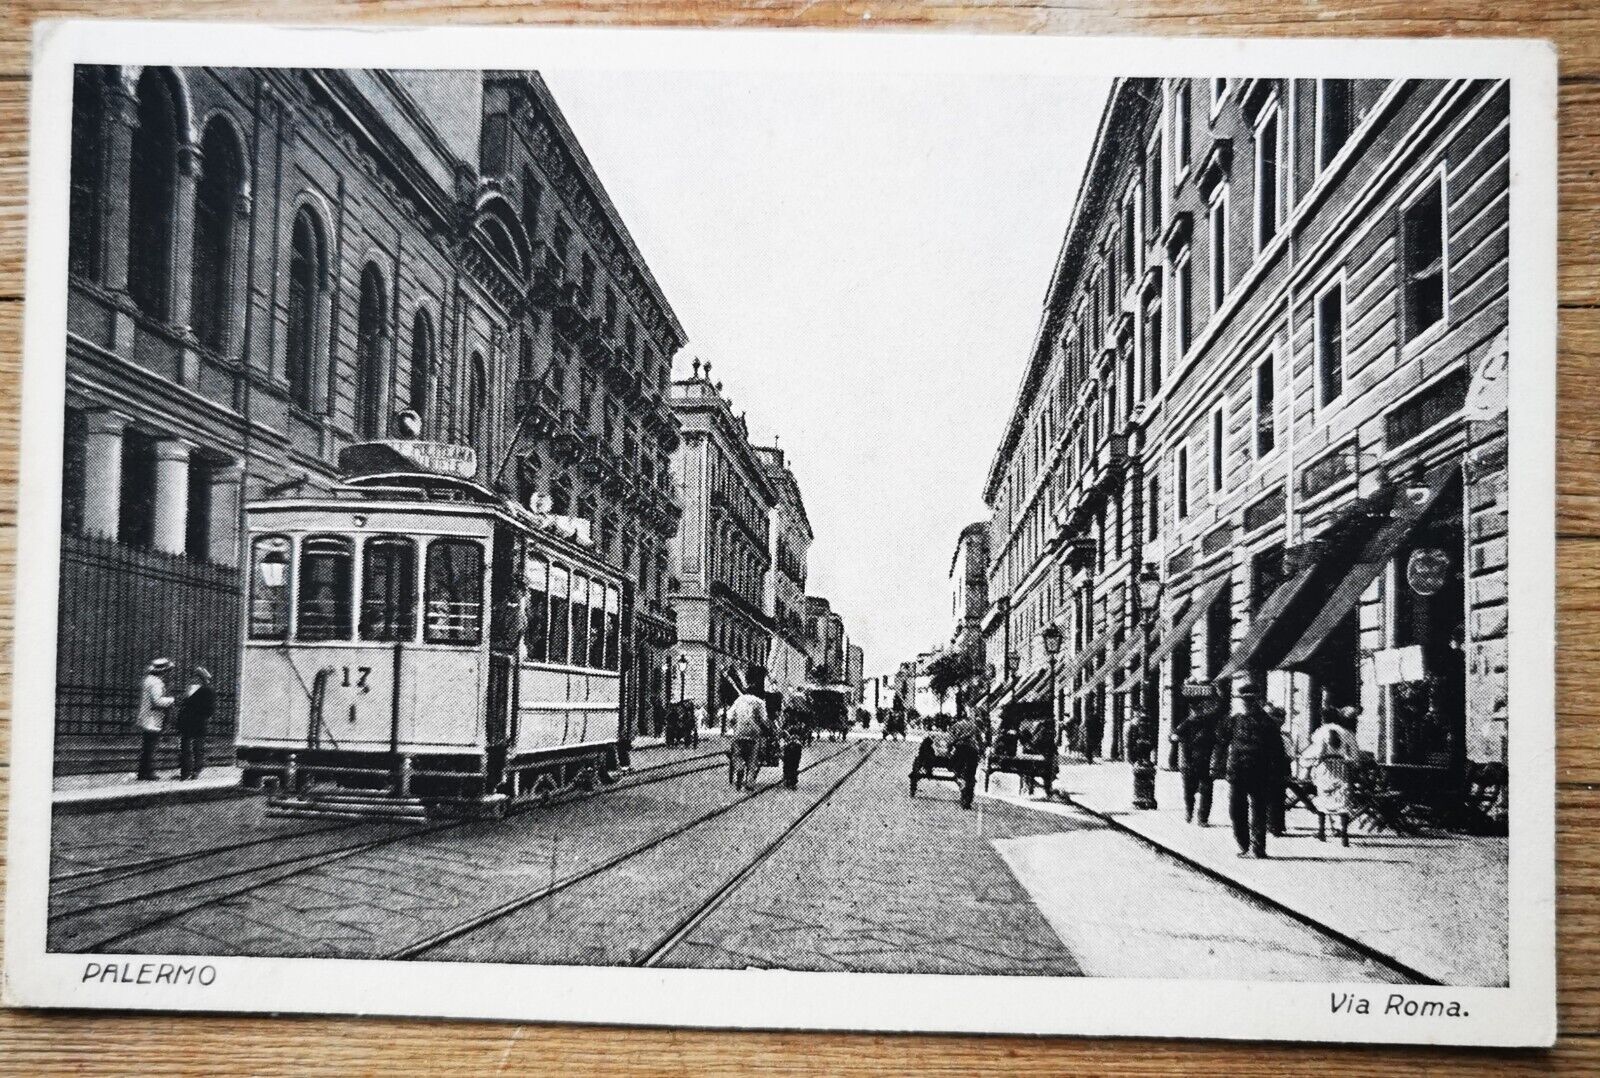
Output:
x=824 y=642
x=723 y=551
x=784 y=596
x=969 y=587
x=854 y=661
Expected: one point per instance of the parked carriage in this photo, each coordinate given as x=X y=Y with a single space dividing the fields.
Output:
x=414 y=639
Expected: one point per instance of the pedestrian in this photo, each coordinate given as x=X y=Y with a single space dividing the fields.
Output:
x=154 y=701
x=1330 y=760
x=1280 y=787
x=794 y=739
x=1255 y=746
x=194 y=714
x=750 y=727
x=965 y=746
x=1196 y=740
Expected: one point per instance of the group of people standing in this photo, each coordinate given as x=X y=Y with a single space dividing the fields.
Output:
x=191 y=713
x=1251 y=750
x=754 y=727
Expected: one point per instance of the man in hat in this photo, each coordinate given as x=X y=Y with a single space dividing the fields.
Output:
x=199 y=703
x=751 y=726
x=1255 y=749
x=153 y=704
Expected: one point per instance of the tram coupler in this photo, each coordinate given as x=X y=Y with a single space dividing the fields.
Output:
x=403 y=779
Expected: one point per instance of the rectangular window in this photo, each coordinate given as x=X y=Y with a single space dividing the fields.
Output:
x=1181 y=142
x=559 y=616
x=325 y=577
x=536 y=643
x=1335 y=119
x=1183 y=303
x=1155 y=195
x=580 y=619
x=1217 y=242
x=597 y=625
x=1180 y=481
x=1330 y=344
x=1269 y=180
x=197 y=518
x=1153 y=357
x=1218 y=474
x=1130 y=381
x=1219 y=90
x=1422 y=260
x=1266 y=406
x=388 y=589
x=1153 y=510
x=454 y=592
x=1130 y=239
x=136 y=524
x=612 y=627
x=270 y=572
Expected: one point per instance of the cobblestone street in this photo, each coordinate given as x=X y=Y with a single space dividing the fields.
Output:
x=674 y=867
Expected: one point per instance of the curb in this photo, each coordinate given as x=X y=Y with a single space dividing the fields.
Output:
x=1366 y=950
x=119 y=800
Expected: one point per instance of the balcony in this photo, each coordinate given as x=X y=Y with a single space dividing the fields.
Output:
x=570 y=313
x=538 y=406
x=568 y=438
x=549 y=273
x=599 y=348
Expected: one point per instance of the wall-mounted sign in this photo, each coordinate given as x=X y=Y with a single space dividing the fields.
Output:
x=1427 y=570
x=396 y=455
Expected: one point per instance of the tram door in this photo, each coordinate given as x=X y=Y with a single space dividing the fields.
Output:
x=507 y=593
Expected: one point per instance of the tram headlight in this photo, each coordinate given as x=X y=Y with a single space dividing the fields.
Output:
x=273 y=567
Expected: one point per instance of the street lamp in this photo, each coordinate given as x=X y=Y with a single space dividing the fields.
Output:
x=1052 y=647
x=683 y=672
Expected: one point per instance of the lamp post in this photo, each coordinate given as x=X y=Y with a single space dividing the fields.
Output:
x=683 y=673
x=1052 y=648
x=1144 y=770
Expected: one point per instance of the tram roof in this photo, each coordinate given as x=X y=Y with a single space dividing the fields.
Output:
x=418 y=489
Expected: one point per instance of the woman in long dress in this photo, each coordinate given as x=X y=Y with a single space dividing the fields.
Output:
x=1330 y=760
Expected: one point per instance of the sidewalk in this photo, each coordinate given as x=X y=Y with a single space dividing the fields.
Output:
x=104 y=793
x=1436 y=904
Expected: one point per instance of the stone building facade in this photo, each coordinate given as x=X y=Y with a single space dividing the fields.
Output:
x=969 y=587
x=785 y=592
x=1261 y=433
x=267 y=265
x=722 y=555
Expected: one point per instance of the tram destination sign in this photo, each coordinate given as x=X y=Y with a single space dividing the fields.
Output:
x=403 y=455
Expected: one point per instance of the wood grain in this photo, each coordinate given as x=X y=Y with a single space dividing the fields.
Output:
x=38 y=1043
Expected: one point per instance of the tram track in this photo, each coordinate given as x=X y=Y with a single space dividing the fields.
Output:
x=417 y=949
x=294 y=866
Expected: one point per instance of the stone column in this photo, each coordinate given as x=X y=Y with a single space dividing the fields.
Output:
x=181 y=308
x=238 y=298
x=102 y=474
x=121 y=118
x=227 y=481
x=172 y=495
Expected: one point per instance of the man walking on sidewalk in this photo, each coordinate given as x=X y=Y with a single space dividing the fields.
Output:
x=1196 y=738
x=1254 y=749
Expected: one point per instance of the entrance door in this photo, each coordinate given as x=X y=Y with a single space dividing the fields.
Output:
x=1430 y=613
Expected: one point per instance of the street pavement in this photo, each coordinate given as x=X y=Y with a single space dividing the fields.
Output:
x=870 y=879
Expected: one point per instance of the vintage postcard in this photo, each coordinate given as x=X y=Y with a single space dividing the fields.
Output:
x=783 y=529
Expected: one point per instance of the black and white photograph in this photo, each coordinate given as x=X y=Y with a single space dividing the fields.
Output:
x=793 y=530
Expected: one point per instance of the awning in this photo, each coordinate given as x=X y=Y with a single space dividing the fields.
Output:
x=1082 y=659
x=1200 y=599
x=1291 y=607
x=1409 y=510
x=1029 y=683
x=1117 y=659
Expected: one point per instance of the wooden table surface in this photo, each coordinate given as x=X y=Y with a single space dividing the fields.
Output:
x=40 y=1043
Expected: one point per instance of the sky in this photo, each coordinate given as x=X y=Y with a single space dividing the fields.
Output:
x=863 y=259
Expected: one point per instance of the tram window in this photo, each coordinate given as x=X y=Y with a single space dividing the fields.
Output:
x=597 y=626
x=613 y=622
x=580 y=619
x=558 y=614
x=269 y=588
x=325 y=563
x=455 y=592
x=389 y=589
x=538 y=635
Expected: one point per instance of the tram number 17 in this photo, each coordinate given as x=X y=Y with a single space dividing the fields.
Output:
x=355 y=677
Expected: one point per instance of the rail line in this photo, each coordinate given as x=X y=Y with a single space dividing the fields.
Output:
x=421 y=947
x=313 y=860
x=681 y=931
x=123 y=870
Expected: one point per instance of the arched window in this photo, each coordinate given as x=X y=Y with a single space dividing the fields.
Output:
x=88 y=131
x=152 y=172
x=477 y=382
x=212 y=264
x=421 y=363
x=370 y=323
x=306 y=277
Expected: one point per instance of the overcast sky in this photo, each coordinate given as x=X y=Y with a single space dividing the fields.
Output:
x=863 y=260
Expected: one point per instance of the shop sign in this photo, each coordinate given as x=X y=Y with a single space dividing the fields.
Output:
x=1427 y=570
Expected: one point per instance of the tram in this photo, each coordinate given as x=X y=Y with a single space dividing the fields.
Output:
x=413 y=638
